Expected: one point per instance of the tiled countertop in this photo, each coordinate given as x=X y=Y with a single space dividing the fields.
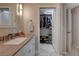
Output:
x=11 y=50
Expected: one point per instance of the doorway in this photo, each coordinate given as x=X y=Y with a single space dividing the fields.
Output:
x=46 y=25
x=46 y=22
x=73 y=31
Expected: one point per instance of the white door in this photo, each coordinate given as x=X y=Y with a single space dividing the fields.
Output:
x=69 y=29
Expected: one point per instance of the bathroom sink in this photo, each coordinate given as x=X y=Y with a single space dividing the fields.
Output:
x=15 y=41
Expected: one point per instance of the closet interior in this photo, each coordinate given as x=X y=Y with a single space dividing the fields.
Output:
x=46 y=25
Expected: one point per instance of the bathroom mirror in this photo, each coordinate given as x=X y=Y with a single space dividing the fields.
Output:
x=11 y=19
x=5 y=17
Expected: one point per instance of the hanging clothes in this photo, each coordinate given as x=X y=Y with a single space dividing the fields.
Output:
x=44 y=23
x=45 y=20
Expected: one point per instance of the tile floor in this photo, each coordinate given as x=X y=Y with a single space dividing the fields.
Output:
x=47 y=50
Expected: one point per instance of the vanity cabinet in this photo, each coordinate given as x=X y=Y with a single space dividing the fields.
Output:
x=28 y=49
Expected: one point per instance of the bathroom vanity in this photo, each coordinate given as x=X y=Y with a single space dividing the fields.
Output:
x=28 y=49
x=24 y=48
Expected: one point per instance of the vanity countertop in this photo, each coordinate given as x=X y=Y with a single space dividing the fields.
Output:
x=11 y=50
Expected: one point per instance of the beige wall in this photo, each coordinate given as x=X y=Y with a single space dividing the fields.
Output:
x=27 y=15
x=31 y=11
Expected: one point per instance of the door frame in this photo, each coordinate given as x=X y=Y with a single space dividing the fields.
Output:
x=69 y=30
x=39 y=23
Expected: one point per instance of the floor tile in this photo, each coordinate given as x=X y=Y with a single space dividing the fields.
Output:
x=47 y=50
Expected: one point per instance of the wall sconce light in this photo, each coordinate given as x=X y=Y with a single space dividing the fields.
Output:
x=19 y=9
